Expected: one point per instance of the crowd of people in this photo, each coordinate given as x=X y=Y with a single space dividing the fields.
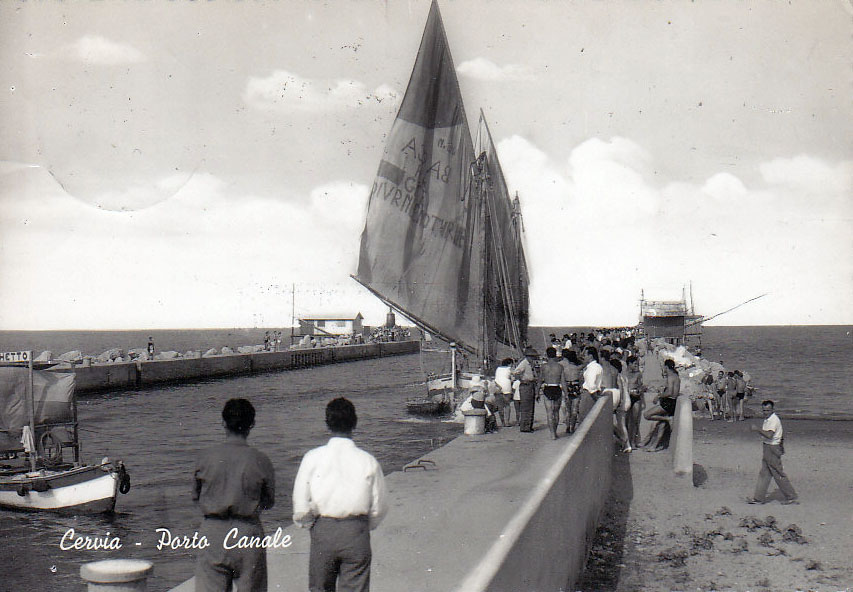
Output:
x=339 y=492
x=375 y=335
x=605 y=362
x=592 y=365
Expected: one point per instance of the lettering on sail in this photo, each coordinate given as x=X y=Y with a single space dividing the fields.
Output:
x=411 y=203
x=406 y=190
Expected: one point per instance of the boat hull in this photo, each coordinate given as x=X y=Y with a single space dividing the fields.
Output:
x=81 y=490
x=428 y=407
x=441 y=397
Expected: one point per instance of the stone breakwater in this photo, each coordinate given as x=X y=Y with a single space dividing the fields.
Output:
x=139 y=374
x=692 y=369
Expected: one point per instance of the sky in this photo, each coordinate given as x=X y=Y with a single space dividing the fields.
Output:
x=207 y=164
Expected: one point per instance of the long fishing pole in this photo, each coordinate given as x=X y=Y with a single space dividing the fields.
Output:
x=706 y=319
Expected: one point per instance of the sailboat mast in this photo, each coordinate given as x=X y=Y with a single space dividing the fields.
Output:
x=292 y=310
x=32 y=408
x=479 y=179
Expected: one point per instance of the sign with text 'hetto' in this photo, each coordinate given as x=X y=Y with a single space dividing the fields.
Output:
x=18 y=356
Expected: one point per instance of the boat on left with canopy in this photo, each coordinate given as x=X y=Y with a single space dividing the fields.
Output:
x=40 y=464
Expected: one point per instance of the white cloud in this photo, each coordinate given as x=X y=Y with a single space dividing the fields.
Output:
x=285 y=91
x=206 y=255
x=601 y=229
x=810 y=175
x=725 y=187
x=483 y=69
x=99 y=50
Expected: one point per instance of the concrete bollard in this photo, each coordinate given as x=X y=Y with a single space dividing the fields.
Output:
x=116 y=575
x=682 y=431
x=475 y=422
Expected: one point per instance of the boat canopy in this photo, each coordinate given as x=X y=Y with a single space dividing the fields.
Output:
x=53 y=403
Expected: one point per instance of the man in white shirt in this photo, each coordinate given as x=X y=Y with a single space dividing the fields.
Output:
x=340 y=494
x=593 y=374
x=771 y=462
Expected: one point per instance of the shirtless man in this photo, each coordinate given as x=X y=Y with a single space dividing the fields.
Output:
x=720 y=386
x=740 y=394
x=731 y=393
x=621 y=404
x=636 y=390
x=608 y=372
x=554 y=388
x=663 y=408
x=572 y=372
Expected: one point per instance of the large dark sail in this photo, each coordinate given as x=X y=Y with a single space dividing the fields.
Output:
x=507 y=296
x=442 y=241
x=422 y=244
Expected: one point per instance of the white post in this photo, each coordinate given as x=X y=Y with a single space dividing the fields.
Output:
x=116 y=575
x=453 y=365
x=682 y=431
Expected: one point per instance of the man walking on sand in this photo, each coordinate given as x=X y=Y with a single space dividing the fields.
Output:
x=771 y=462
x=339 y=493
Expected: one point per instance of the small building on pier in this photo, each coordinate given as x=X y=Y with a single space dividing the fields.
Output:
x=332 y=325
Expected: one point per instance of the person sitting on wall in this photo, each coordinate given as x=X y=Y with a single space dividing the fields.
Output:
x=663 y=408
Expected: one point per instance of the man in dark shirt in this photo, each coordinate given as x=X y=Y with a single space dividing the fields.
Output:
x=233 y=483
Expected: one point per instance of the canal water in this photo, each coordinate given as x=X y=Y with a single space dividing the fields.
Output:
x=807 y=370
x=158 y=433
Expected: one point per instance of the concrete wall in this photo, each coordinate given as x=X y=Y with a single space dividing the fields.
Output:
x=105 y=376
x=129 y=375
x=158 y=371
x=563 y=510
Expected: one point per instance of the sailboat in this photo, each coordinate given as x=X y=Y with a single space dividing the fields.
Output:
x=442 y=242
x=38 y=424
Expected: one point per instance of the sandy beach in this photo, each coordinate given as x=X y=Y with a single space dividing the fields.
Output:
x=661 y=532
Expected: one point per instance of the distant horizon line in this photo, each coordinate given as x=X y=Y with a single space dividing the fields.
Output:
x=283 y=327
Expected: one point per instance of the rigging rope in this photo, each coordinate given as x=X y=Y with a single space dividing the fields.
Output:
x=502 y=264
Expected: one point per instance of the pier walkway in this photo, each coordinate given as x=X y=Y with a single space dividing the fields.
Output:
x=450 y=519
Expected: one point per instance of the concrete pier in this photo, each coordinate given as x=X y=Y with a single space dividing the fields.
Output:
x=503 y=511
x=139 y=374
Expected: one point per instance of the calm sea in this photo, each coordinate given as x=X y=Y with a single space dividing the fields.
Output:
x=159 y=431
x=806 y=370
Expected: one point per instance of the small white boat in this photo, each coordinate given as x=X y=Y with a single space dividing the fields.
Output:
x=443 y=394
x=88 y=489
x=38 y=424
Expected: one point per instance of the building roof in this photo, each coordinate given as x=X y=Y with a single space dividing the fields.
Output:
x=334 y=317
x=663 y=308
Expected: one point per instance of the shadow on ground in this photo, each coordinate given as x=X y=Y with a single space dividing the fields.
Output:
x=603 y=564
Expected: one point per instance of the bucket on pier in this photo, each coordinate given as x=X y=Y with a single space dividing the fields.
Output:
x=116 y=575
x=475 y=421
